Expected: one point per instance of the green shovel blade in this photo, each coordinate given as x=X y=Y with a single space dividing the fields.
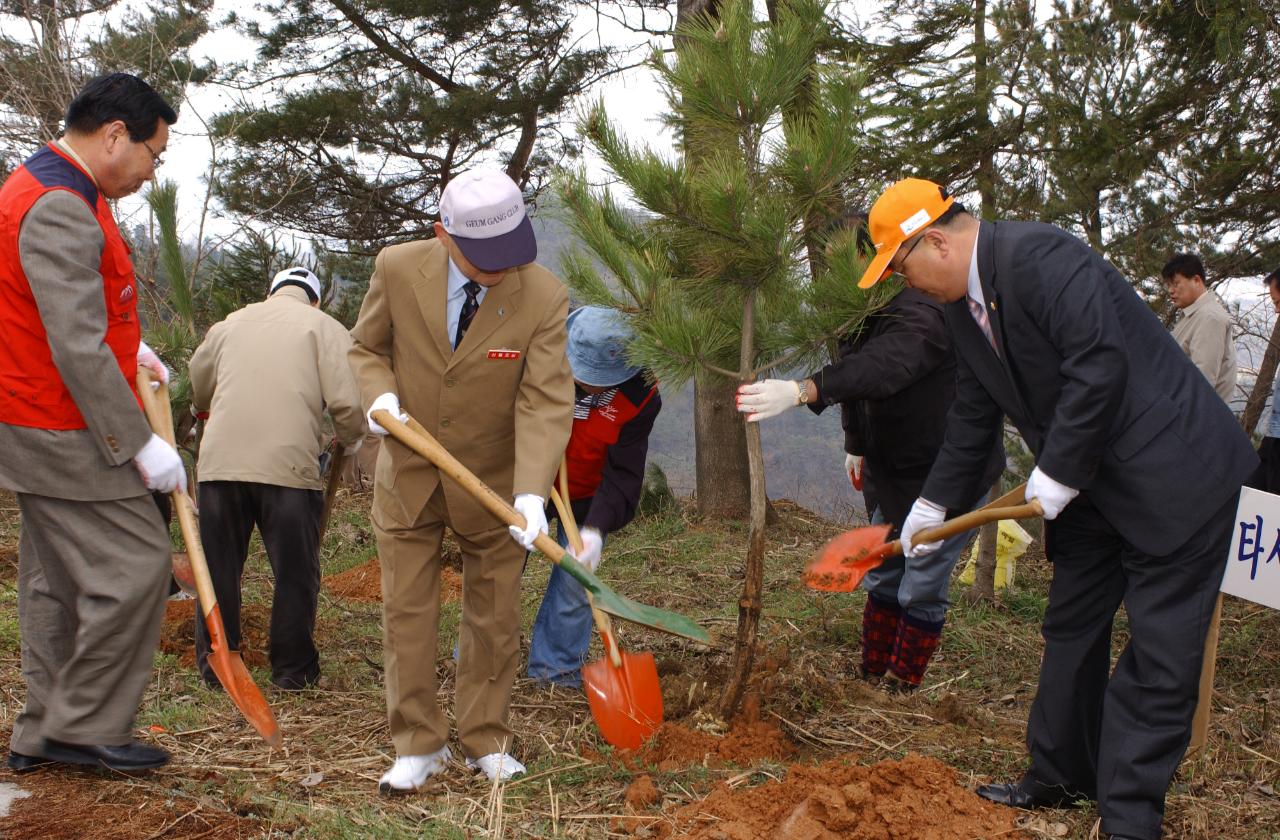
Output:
x=624 y=608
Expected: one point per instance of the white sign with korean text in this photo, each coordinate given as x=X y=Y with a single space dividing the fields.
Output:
x=1253 y=566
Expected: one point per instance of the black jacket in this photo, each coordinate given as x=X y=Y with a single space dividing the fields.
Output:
x=894 y=381
x=1100 y=391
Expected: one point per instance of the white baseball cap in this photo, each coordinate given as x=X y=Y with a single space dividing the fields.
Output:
x=297 y=276
x=483 y=211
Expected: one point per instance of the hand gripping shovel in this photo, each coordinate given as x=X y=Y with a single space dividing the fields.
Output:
x=226 y=663
x=841 y=564
x=622 y=690
x=420 y=441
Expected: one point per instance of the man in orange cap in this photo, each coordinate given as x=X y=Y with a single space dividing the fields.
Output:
x=1049 y=334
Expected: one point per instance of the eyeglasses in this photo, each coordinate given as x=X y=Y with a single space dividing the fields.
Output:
x=157 y=159
x=903 y=262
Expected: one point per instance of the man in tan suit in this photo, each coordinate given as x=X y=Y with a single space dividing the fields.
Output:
x=467 y=333
x=266 y=375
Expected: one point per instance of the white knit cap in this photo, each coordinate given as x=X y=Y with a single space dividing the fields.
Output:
x=297 y=276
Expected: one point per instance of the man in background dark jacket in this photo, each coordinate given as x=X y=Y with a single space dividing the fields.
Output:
x=894 y=380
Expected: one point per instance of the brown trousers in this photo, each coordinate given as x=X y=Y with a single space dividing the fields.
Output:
x=489 y=638
x=92 y=579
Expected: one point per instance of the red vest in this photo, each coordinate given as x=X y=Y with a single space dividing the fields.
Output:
x=588 y=448
x=32 y=392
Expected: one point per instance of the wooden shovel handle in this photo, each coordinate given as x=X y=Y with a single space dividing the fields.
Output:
x=974 y=519
x=414 y=436
x=570 y=525
x=336 y=465
x=155 y=405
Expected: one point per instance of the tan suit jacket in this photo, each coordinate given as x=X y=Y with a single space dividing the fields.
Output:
x=507 y=419
x=266 y=375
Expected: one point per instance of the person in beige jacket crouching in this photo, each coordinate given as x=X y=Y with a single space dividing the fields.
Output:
x=266 y=375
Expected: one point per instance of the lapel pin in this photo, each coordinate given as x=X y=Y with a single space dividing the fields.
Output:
x=501 y=311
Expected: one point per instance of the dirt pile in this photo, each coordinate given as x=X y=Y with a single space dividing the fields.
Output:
x=178 y=632
x=916 y=798
x=675 y=747
x=67 y=804
x=364 y=583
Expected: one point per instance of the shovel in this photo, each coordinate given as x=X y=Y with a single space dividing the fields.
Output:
x=622 y=691
x=418 y=439
x=226 y=663
x=841 y=564
x=336 y=465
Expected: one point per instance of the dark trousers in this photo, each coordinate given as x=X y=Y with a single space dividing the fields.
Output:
x=1121 y=739
x=289 y=520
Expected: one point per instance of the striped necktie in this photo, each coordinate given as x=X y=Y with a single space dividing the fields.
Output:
x=468 y=313
x=984 y=323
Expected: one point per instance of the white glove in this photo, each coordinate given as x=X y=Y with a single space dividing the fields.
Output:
x=924 y=514
x=160 y=466
x=388 y=402
x=853 y=465
x=768 y=398
x=1053 y=496
x=353 y=448
x=148 y=359
x=532 y=508
x=592 y=542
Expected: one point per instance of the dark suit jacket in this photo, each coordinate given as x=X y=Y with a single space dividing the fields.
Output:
x=1100 y=391
x=894 y=382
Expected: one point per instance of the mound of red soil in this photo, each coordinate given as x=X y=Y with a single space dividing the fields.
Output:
x=364 y=583
x=68 y=804
x=916 y=798
x=641 y=793
x=178 y=633
x=675 y=747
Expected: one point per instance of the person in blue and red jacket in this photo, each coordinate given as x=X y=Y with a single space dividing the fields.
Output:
x=613 y=412
x=94 y=559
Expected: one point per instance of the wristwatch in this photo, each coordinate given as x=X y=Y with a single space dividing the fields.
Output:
x=802 y=393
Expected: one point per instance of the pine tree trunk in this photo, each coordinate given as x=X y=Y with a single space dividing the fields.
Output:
x=720 y=445
x=984 y=568
x=749 y=605
x=720 y=450
x=984 y=572
x=1262 y=385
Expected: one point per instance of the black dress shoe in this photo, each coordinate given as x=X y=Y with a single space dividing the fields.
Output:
x=130 y=756
x=1022 y=795
x=20 y=763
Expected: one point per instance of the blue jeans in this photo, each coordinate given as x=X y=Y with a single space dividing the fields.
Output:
x=562 y=630
x=918 y=584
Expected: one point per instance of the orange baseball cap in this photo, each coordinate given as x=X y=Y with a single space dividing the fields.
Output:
x=901 y=211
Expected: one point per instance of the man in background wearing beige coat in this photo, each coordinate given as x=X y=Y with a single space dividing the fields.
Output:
x=1204 y=328
x=266 y=375
x=467 y=333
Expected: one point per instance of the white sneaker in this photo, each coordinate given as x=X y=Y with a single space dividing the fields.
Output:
x=410 y=772
x=497 y=766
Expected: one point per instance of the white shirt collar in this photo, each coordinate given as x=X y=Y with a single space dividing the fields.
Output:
x=975 y=282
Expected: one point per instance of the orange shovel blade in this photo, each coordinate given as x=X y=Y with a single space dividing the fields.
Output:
x=240 y=687
x=626 y=701
x=840 y=565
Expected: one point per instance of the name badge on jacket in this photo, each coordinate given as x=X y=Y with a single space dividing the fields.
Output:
x=503 y=353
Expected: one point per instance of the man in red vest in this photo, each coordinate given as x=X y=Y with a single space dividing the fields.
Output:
x=94 y=558
x=613 y=413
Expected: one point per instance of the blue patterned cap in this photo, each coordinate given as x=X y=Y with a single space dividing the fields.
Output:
x=598 y=338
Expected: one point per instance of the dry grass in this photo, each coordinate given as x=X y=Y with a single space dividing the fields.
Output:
x=970 y=713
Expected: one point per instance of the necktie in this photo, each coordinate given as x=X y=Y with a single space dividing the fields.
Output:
x=468 y=313
x=984 y=323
